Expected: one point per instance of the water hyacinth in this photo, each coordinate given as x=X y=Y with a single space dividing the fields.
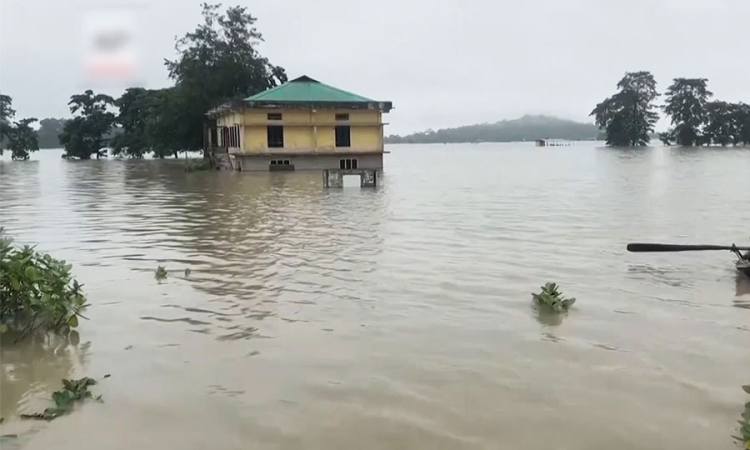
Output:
x=552 y=298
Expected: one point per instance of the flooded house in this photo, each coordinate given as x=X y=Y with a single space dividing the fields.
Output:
x=302 y=124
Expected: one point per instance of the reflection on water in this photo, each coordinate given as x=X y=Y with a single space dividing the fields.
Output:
x=31 y=370
x=395 y=317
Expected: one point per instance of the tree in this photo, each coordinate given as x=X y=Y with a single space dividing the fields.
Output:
x=741 y=123
x=720 y=128
x=22 y=139
x=628 y=117
x=6 y=114
x=217 y=62
x=686 y=105
x=86 y=134
x=49 y=132
x=134 y=112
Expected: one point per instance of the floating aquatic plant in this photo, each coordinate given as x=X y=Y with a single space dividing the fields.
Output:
x=161 y=273
x=73 y=391
x=552 y=298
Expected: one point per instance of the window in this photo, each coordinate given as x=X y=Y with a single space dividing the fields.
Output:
x=343 y=136
x=342 y=116
x=230 y=136
x=275 y=136
x=281 y=162
x=347 y=164
x=274 y=116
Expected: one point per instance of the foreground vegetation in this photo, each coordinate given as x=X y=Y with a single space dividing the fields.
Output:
x=37 y=292
x=629 y=116
x=744 y=436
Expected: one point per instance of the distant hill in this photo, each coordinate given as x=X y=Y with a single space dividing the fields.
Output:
x=526 y=128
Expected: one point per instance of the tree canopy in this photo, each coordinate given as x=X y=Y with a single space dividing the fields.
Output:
x=22 y=139
x=686 y=105
x=86 y=134
x=628 y=117
x=216 y=62
x=18 y=136
x=6 y=114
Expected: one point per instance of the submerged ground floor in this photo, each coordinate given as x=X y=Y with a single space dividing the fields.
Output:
x=265 y=162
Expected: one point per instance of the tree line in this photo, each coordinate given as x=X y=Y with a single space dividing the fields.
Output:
x=628 y=117
x=525 y=128
x=215 y=63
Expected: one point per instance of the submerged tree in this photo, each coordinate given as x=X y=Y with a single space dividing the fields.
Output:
x=686 y=105
x=150 y=123
x=17 y=137
x=218 y=61
x=86 y=134
x=6 y=114
x=720 y=127
x=134 y=112
x=741 y=124
x=22 y=139
x=628 y=117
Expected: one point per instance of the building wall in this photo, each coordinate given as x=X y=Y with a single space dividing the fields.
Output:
x=261 y=163
x=306 y=130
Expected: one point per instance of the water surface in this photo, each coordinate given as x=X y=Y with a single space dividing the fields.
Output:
x=396 y=317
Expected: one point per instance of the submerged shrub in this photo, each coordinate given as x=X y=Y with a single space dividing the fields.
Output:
x=37 y=292
x=552 y=298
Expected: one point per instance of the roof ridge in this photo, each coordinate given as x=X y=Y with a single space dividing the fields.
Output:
x=345 y=92
x=269 y=90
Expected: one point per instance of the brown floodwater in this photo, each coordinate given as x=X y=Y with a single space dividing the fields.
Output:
x=396 y=317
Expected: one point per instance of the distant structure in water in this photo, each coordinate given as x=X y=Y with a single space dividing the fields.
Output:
x=300 y=125
x=551 y=143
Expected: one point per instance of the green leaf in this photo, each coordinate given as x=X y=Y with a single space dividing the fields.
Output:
x=3 y=328
x=746 y=388
x=63 y=399
x=31 y=273
x=15 y=284
x=73 y=321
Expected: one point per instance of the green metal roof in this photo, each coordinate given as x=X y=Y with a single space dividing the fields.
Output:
x=305 y=90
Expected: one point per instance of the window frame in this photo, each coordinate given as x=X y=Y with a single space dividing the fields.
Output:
x=348 y=164
x=348 y=140
x=274 y=143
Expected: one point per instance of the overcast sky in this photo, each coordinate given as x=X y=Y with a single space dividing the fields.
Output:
x=441 y=62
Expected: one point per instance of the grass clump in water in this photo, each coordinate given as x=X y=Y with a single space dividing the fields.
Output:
x=37 y=292
x=550 y=297
x=73 y=391
x=161 y=273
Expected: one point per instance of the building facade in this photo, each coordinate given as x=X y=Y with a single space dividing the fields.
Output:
x=300 y=125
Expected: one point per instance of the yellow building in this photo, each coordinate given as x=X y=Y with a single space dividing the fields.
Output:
x=301 y=124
